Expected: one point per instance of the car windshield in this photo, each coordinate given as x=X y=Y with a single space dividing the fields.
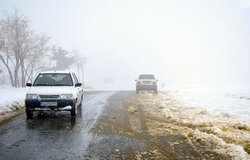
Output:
x=53 y=79
x=147 y=76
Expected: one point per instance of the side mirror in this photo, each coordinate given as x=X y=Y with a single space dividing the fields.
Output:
x=157 y=80
x=28 y=84
x=136 y=80
x=78 y=84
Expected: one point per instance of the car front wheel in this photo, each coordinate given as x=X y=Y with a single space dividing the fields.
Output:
x=80 y=105
x=29 y=114
x=73 y=111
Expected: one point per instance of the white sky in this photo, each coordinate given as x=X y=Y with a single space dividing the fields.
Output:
x=180 y=41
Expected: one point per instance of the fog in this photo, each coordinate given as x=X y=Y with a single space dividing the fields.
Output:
x=181 y=42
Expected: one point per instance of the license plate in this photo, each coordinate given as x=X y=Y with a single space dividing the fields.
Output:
x=48 y=104
x=147 y=82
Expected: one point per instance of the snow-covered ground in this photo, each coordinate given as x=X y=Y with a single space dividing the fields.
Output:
x=217 y=130
x=231 y=100
x=11 y=98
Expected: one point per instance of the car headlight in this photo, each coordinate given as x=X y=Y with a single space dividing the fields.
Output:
x=31 y=96
x=66 y=96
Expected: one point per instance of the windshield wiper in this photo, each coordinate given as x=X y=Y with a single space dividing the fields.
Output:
x=42 y=84
x=61 y=84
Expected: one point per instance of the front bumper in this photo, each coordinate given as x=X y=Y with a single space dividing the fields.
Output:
x=62 y=105
x=146 y=87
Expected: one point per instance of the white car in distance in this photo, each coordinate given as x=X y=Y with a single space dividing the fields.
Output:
x=54 y=91
x=146 y=82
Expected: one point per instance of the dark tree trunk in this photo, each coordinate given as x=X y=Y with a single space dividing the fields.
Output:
x=23 y=77
x=9 y=71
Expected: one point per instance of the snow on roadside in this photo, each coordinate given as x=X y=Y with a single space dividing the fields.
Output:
x=219 y=145
x=229 y=100
x=11 y=98
x=221 y=134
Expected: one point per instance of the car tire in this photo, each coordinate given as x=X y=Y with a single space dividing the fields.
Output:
x=156 y=91
x=80 y=105
x=29 y=114
x=137 y=91
x=73 y=111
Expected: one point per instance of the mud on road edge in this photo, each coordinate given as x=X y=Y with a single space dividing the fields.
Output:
x=125 y=131
x=7 y=116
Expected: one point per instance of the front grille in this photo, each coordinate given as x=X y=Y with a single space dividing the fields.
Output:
x=48 y=96
x=146 y=82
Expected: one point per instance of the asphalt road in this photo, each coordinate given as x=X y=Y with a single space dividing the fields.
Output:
x=106 y=127
x=52 y=135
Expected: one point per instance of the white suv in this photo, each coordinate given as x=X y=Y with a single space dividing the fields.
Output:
x=54 y=91
x=146 y=82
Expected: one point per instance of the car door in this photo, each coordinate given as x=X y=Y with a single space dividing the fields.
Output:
x=78 y=89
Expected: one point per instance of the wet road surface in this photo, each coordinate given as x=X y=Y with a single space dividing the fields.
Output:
x=52 y=135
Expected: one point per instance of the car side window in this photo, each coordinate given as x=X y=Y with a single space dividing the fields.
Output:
x=75 y=78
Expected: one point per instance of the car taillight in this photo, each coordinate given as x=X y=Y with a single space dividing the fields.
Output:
x=154 y=83
x=138 y=82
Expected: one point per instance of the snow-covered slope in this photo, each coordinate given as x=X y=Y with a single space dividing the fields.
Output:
x=11 y=98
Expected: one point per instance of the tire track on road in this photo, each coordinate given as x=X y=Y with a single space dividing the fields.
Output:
x=144 y=136
x=144 y=127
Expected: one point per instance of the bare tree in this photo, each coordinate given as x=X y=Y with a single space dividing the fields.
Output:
x=20 y=47
x=5 y=55
x=36 y=57
x=2 y=75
